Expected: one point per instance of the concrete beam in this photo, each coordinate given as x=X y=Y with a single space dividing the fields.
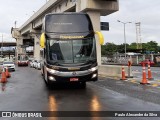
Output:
x=104 y=7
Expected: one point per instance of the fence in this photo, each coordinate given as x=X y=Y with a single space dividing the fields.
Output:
x=136 y=59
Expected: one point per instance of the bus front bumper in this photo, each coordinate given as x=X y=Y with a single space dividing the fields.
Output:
x=75 y=76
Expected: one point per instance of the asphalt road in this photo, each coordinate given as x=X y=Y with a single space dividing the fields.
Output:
x=26 y=91
x=137 y=71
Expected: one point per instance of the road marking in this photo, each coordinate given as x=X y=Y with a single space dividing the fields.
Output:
x=155 y=85
x=114 y=78
x=152 y=83
x=133 y=81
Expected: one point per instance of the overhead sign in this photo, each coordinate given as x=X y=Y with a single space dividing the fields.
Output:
x=105 y=26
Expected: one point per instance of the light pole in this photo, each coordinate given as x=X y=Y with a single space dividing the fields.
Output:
x=124 y=23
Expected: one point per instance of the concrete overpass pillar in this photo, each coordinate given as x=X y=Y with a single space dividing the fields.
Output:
x=95 y=18
x=36 y=47
x=19 y=44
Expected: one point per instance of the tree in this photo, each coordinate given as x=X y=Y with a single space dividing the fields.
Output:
x=133 y=46
x=151 y=46
x=108 y=49
x=121 y=48
x=111 y=48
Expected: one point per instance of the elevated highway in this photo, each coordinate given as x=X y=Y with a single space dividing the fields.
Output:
x=30 y=31
x=8 y=44
x=5 y=52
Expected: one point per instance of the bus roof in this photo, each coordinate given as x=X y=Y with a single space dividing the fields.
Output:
x=67 y=23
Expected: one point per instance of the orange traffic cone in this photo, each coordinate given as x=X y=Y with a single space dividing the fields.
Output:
x=123 y=74
x=149 y=72
x=3 y=77
x=144 y=80
x=7 y=73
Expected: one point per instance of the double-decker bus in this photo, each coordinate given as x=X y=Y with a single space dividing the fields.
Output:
x=68 y=49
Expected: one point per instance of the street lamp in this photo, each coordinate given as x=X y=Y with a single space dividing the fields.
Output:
x=124 y=23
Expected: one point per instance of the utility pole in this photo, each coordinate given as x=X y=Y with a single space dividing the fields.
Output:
x=124 y=24
x=15 y=23
x=138 y=35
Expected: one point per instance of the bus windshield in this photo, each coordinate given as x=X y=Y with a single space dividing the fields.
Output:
x=22 y=57
x=60 y=23
x=71 y=51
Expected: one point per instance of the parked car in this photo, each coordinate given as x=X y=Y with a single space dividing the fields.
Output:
x=31 y=63
x=146 y=62
x=34 y=63
x=38 y=65
x=10 y=65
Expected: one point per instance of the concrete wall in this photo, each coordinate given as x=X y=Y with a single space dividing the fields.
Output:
x=19 y=42
x=112 y=70
x=95 y=18
x=36 y=48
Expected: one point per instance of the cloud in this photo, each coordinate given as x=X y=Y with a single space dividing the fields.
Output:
x=144 y=11
x=16 y=10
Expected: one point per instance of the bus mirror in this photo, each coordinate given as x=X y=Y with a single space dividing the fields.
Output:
x=100 y=37
x=42 y=40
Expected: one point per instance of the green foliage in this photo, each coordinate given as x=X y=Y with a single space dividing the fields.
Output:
x=133 y=46
x=111 y=48
x=150 y=46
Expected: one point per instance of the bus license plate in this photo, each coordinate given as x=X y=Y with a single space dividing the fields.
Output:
x=74 y=79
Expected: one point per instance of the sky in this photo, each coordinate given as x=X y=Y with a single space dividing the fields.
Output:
x=145 y=11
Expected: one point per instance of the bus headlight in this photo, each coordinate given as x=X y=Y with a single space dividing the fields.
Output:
x=51 y=78
x=51 y=70
x=93 y=69
x=94 y=75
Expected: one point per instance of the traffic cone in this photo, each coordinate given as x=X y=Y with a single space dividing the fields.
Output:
x=149 y=72
x=3 y=77
x=144 y=80
x=8 y=75
x=123 y=74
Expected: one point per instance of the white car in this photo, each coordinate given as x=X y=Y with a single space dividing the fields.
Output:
x=31 y=63
x=38 y=65
x=10 y=65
